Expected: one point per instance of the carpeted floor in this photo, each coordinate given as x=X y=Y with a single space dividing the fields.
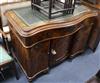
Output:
x=78 y=70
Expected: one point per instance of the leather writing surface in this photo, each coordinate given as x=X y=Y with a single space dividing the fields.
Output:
x=34 y=17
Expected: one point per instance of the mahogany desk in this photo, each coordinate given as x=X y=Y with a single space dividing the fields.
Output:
x=41 y=43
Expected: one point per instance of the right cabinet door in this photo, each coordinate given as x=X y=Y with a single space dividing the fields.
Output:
x=95 y=34
x=58 y=50
x=80 y=39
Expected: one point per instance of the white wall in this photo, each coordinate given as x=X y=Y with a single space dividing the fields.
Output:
x=6 y=7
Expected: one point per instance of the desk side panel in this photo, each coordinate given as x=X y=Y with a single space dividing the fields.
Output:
x=33 y=60
x=95 y=34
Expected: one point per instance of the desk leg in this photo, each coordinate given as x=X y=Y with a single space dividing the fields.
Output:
x=14 y=70
x=2 y=75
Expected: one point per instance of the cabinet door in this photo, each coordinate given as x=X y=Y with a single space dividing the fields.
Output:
x=59 y=50
x=39 y=58
x=80 y=39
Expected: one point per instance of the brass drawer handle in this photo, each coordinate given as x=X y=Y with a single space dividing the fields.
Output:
x=53 y=52
x=91 y=24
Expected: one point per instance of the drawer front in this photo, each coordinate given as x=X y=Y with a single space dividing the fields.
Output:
x=93 y=1
x=50 y=34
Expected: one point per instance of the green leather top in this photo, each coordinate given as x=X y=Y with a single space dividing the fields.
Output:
x=30 y=17
x=4 y=57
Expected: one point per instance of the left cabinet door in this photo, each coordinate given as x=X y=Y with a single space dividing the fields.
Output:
x=39 y=58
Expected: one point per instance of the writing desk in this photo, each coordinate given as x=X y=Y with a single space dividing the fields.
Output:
x=41 y=43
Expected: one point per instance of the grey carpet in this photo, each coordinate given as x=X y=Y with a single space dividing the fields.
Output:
x=77 y=71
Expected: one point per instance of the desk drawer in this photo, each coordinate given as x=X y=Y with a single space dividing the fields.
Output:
x=50 y=34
